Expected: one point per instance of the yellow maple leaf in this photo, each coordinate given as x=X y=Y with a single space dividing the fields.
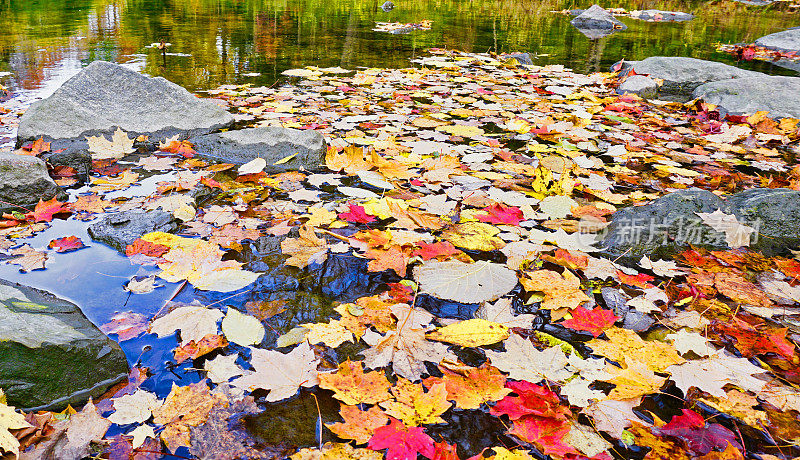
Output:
x=332 y=333
x=477 y=236
x=305 y=249
x=351 y=385
x=414 y=406
x=624 y=343
x=635 y=380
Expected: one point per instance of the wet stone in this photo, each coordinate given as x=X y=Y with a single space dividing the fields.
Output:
x=780 y=96
x=305 y=147
x=51 y=355
x=122 y=228
x=596 y=23
x=24 y=181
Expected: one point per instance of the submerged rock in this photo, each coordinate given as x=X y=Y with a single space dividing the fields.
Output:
x=24 y=181
x=787 y=40
x=387 y=6
x=681 y=75
x=522 y=58
x=104 y=96
x=778 y=95
x=122 y=228
x=272 y=144
x=668 y=225
x=51 y=355
x=597 y=23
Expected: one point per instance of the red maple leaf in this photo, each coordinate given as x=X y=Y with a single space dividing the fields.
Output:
x=147 y=248
x=700 y=437
x=430 y=251
x=642 y=280
x=356 y=214
x=547 y=433
x=45 y=210
x=759 y=339
x=594 y=321
x=66 y=244
x=499 y=214
x=567 y=259
x=402 y=442
x=532 y=399
x=184 y=148
x=445 y=451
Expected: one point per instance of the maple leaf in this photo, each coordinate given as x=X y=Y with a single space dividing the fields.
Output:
x=66 y=244
x=185 y=407
x=595 y=321
x=560 y=291
x=336 y=451
x=523 y=361
x=736 y=234
x=736 y=287
x=713 y=373
x=500 y=214
x=356 y=214
x=477 y=236
x=103 y=149
x=402 y=442
x=390 y=259
x=351 y=160
x=470 y=387
x=546 y=433
x=173 y=145
x=90 y=204
x=641 y=280
x=222 y=368
x=441 y=250
x=282 y=374
x=306 y=249
x=358 y=424
x=624 y=343
x=406 y=347
x=28 y=258
x=155 y=163
x=635 y=380
x=140 y=246
x=351 y=385
x=531 y=399
x=35 y=148
x=71 y=439
x=700 y=437
x=45 y=210
x=134 y=408
x=613 y=416
x=414 y=406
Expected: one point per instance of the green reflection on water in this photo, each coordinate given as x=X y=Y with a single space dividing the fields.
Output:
x=220 y=41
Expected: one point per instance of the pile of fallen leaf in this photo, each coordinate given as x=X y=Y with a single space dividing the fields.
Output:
x=468 y=181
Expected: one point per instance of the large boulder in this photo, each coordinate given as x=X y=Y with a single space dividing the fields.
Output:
x=120 y=229
x=787 y=40
x=272 y=144
x=24 y=181
x=663 y=227
x=641 y=85
x=681 y=75
x=104 y=96
x=596 y=23
x=778 y=95
x=51 y=355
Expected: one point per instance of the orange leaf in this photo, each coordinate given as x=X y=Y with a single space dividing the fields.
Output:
x=358 y=424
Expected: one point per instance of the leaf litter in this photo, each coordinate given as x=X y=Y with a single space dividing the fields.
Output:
x=473 y=180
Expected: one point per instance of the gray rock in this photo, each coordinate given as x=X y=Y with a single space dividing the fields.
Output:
x=682 y=75
x=666 y=226
x=387 y=6
x=122 y=228
x=661 y=16
x=24 y=181
x=597 y=23
x=641 y=85
x=104 y=96
x=51 y=355
x=272 y=144
x=663 y=227
x=779 y=95
x=787 y=40
x=774 y=213
x=78 y=159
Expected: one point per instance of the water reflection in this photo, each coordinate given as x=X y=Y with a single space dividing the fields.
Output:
x=236 y=41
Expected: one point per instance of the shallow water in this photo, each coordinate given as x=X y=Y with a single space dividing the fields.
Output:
x=215 y=42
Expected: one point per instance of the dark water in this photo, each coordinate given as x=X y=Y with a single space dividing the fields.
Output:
x=43 y=42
